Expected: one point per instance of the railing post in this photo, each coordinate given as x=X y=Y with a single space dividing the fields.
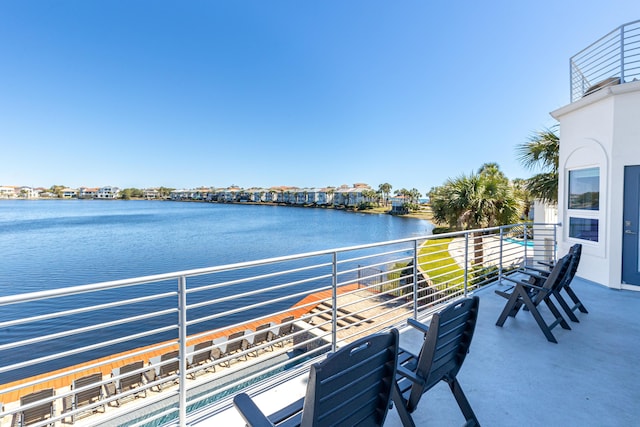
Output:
x=501 y=249
x=622 y=54
x=334 y=305
x=555 y=242
x=570 y=80
x=525 y=245
x=466 y=261
x=182 y=342
x=415 y=279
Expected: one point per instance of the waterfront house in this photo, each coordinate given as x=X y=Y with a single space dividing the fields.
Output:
x=28 y=193
x=7 y=192
x=150 y=193
x=398 y=205
x=107 y=193
x=350 y=196
x=324 y=196
x=87 y=193
x=69 y=193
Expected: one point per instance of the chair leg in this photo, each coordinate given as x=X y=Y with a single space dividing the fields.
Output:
x=463 y=403
x=509 y=307
x=565 y=307
x=546 y=330
x=575 y=299
x=556 y=313
x=397 y=399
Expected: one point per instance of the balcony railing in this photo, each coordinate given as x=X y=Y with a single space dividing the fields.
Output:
x=613 y=59
x=160 y=347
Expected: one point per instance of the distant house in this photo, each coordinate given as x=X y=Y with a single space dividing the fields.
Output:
x=69 y=193
x=7 y=192
x=180 y=194
x=150 y=193
x=28 y=193
x=350 y=196
x=399 y=205
x=325 y=196
x=87 y=193
x=108 y=193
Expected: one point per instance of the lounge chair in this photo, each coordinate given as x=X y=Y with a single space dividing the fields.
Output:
x=575 y=252
x=38 y=413
x=529 y=295
x=124 y=383
x=261 y=335
x=279 y=332
x=202 y=353
x=353 y=386
x=162 y=367
x=86 y=392
x=230 y=345
x=445 y=347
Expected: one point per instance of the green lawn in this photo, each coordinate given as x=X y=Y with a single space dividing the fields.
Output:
x=435 y=259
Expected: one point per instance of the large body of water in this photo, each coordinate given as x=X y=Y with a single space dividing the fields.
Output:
x=51 y=244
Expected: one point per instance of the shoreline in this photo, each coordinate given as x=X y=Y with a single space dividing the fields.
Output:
x=423 y=214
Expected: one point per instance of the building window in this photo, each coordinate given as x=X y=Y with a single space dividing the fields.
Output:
x=583 y=228
x=584 y=189
x=584 y=204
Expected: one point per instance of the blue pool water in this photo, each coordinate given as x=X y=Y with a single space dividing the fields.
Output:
x=519 y=242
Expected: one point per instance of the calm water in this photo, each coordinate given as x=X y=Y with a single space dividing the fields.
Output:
x=53 y=244
x=50 y=244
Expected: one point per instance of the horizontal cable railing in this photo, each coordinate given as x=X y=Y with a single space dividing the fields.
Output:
x=611 y=60
x=156 y=350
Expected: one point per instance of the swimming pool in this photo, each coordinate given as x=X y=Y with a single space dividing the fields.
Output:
x=520 y=242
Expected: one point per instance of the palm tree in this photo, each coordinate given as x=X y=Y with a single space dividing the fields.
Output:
x=541 y=152
x=521 y=191
x=475 y=201
x=385 y=189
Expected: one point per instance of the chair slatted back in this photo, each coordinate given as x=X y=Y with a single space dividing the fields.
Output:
x=169 y=368
x=262 y=332
x=202 y=352
x=234 y=342
x=353 y=386
x=555 y=278
x=446 y=345
x=286 y=326
x=39 y=412
x=85 y=397
x=130 y=381
x=575 y=252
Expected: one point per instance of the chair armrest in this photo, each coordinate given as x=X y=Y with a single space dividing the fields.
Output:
x=525 y=284
x=252 y=415
x=418 y=325
x=537 y=270
x=410 y=375
x=548 y=264
x=531 y=273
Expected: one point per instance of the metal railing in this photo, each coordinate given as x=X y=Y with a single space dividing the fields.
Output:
x=613 y=59
x=165 y=346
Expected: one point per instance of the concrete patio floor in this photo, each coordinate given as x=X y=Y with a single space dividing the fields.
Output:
x=514 y=377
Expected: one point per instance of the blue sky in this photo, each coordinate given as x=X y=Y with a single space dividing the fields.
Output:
x=266 y=93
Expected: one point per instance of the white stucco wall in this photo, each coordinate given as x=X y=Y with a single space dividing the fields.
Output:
x=601 y=130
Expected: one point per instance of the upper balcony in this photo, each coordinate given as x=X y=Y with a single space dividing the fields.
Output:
x=611 y=60
x=173 y=349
